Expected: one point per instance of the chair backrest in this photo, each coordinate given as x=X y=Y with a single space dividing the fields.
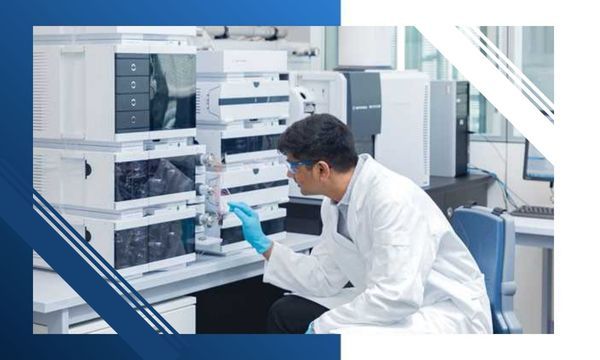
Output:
x=489 y=236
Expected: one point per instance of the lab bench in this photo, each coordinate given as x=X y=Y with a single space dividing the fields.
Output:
x=57 y=308
x=539 y=233
x=449 y=193
x=304 y=216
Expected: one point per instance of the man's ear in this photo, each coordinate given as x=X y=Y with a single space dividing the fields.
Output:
x=324 y=170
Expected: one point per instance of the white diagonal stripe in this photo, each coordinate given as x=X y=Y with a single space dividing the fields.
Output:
x=497 y=89
x=505 y=66
x=543 y=102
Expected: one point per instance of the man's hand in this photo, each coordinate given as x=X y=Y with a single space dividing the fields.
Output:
x=251 y=228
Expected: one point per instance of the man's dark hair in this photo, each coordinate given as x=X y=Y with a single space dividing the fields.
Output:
x=320 y=137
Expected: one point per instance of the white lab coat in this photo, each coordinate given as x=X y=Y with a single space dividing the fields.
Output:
x=410 y=271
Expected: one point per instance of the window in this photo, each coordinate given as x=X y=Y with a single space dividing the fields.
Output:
x=530 y=48
x=535 y=57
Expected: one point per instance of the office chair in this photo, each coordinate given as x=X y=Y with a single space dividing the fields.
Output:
x=490 y=237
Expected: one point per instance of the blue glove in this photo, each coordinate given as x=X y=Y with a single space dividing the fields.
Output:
x=251 y=227
x=311 y=328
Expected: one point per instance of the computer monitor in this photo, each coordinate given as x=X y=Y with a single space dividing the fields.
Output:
x=535 y=166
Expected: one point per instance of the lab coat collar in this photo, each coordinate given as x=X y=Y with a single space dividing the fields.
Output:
x=363 y=181
x=348 y=194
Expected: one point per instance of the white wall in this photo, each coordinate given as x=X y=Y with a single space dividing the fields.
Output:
x=506 y=160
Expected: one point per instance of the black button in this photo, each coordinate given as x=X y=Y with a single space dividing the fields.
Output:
x=132 y=84
x=132 y=121
x=132 y=67
x=132 y=102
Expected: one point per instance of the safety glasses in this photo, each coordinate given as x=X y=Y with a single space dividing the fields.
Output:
x=293 y=165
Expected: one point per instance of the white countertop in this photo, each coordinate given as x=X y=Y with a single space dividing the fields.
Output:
x=533 y=226
x=52 y=293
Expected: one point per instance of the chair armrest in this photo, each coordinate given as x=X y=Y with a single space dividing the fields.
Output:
x=514 y=326
x=502 y=327
x=509 y=288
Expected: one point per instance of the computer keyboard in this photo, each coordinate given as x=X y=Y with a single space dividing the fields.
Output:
x=540 y=212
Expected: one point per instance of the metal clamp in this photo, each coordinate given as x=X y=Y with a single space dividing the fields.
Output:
x=207 y=219
x=203 y=189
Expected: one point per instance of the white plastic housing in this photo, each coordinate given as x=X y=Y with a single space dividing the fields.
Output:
x=230 y=221
x=101 y=235
x=255 y=184
x=74 y=92
x=316 y=92
x=366 y=46
x=404 y=142
x=59 y=175
x=215 y=137
x=326 y=90
x=141 y=30
x=240 y=99
x=241 y=61
x=113 y=34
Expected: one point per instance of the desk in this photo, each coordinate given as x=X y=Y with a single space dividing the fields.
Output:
x=304 y=214
x=56 y=305
x=534 y=232
x=540 y=233
x=449 y=193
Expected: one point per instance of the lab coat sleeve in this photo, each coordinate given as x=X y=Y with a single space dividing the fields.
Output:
x=313 y=275
x=401 y=259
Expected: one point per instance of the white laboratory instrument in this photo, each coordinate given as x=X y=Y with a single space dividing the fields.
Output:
x=242 y=109
x=220 y=63
x=254 y=184
x=449 y=128
x=114 y=120
x=366 y=47
x=316 y=92
x=261 y=185
x=111 y=181
x=114 y=34
x=105 y=93
x=229 y=231
x=240 y=99
x=243 y=141
x=404 y=141
x=236 y=85
x=136 y=244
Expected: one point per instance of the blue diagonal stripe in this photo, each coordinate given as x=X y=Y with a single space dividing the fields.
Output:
x=115 y=282
x=16 y=184
x=178 y=343
x=141 y=308
x=120 y=279
x=77 y=273
x=76 y=244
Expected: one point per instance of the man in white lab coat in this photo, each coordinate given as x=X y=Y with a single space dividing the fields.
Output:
x=387 y=260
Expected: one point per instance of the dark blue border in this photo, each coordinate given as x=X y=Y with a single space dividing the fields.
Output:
x=20 y=226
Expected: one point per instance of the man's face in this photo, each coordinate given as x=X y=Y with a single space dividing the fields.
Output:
x=307 y=178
